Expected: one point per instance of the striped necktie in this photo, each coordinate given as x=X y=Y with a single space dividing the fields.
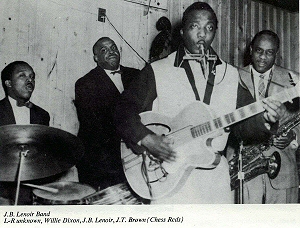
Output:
x=261 y=87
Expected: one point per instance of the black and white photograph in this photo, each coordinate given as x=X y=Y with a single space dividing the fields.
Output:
x=142 y=113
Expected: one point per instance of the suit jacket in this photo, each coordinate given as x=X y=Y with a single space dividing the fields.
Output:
x=253 y=131
x=37 y=114
x=95 y=100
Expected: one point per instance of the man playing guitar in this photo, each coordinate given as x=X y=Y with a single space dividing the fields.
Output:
x=193 y=79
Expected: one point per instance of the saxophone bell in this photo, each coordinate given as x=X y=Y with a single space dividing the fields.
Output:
x=274 y=165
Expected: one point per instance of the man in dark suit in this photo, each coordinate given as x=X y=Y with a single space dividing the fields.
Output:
x=18 y=81
x=96 y=94
x=263 y=79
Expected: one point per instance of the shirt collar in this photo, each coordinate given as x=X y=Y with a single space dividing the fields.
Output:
x=257 y=74
x=108 y=72
x=13 y=103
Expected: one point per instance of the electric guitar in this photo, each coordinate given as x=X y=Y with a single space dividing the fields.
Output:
x=193 y=131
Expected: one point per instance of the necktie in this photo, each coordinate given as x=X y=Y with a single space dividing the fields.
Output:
x=27 y=104
x=117 y=72
x=261 y=87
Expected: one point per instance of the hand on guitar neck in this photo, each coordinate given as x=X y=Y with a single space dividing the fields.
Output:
x=274 y=110
x=160 y=147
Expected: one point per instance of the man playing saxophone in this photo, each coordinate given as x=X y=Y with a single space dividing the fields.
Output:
x=261 y=79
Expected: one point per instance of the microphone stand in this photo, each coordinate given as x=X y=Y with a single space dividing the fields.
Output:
x=241 y=175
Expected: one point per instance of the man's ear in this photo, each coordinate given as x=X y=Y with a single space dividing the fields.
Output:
x=8 y=83
x=250 y=50
x=181 y=32
x=95 y=58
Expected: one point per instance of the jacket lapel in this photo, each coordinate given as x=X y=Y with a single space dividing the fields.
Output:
x=104 y=80
x=126 y=76
x=246 y=79
x=34 y=117
x=280 y=80
x=8 y=114
x=179 y=62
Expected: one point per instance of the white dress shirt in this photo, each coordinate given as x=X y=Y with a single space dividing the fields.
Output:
x=116 y=79
x=22 y=114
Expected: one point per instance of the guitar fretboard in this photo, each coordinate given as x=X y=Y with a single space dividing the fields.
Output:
x=241 y=113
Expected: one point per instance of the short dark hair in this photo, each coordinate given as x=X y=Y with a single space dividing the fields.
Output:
x=198 y=6
x=268 y=33
x=97 y=43
x=7 y=72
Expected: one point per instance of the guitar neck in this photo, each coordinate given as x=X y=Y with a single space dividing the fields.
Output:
x=241 y=113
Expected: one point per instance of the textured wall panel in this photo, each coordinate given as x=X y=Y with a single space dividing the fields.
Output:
x=56 y=38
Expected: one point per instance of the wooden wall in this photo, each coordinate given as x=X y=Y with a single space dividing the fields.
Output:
x=240 y=20
x=56 y=38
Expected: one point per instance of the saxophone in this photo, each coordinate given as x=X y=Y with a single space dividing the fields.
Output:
x=254 y=162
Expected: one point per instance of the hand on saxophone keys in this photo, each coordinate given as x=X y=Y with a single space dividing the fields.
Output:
x=284 y=140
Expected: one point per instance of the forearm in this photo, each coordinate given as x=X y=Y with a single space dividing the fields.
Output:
x=136 y=99
x=128 y=124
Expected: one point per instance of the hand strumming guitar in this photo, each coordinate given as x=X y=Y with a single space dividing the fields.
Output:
x=160 y=147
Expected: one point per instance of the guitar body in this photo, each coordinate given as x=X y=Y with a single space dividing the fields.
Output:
x=153 y=179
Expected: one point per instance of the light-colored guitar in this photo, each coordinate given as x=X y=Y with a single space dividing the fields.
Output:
x=192 y=131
